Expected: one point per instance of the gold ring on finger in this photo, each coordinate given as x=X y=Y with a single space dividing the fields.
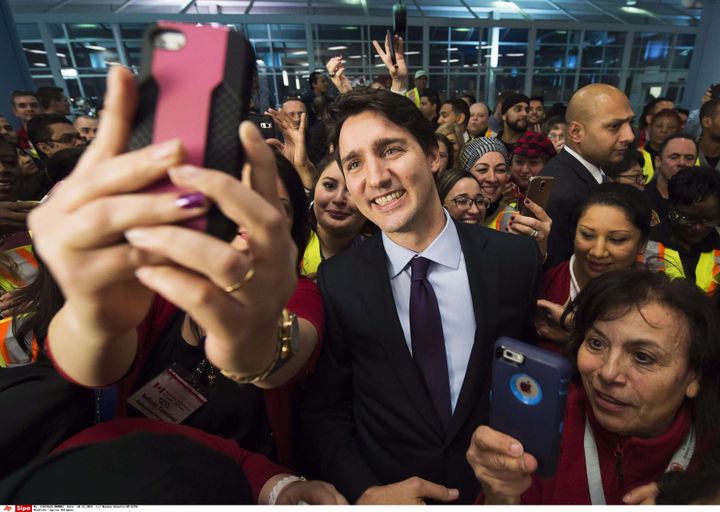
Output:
x=246 y=278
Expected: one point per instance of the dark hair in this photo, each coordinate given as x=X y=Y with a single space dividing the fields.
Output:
x=447 y=180
x=698 y=487
x=448 y=145
x=709 y=108
x=693 y=184
x=630 y=200
x=668 y=112
x=459 y=107
x=314 y=77
x=558 y=110
x=34 y=306
x=682 y=111
x=10 y=148
x=39 y=127
x=632 y=156
x=470 y=97
x=552 y=122
x=298 y=199
x=395 y=108
x=432 y=95
x=649 y=106
x=18 y=93
x=61 y=164
x=47 y=94
x=612 y=294
x=537 y=98
x=686 y=136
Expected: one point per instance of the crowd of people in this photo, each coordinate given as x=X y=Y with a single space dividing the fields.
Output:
x=339 y=348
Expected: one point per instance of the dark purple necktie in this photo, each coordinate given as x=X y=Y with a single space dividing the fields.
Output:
x=428 y=342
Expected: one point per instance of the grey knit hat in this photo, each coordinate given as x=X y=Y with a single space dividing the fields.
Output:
x=476 y=148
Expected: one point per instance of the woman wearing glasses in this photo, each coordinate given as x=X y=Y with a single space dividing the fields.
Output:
x=688 y=245
x=487 y=160
x=461 y=196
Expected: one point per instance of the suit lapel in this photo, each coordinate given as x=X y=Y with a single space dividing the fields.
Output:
x=482 y=269
x=579 y=169
x=380 y=305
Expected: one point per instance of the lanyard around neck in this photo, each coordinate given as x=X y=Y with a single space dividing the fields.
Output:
x=678 y=462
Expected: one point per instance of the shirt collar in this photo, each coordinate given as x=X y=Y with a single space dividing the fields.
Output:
x=596 y=172
x=444 y=250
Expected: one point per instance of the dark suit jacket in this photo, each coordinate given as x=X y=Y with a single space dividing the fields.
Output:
x=367 y=418
x=573 y=184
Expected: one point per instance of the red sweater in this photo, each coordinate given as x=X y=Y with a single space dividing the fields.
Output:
x=640 y=460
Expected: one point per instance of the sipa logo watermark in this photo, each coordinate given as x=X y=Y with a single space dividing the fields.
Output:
x=23 y=508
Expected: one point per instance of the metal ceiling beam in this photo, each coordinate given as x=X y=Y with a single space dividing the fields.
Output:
x=250 y=5
x=124 y=6
x=186 y=6
x=58 y=6
x=469 y=9
x=606 y=13
x=563 y=10
x=365 y=7
x=417 y=6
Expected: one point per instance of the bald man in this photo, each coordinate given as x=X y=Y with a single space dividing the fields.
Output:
x=599 y=132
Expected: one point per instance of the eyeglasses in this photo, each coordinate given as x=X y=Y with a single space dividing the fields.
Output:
x=634 y=178
x=67 y=138
x=465 y=202
x=687 y=221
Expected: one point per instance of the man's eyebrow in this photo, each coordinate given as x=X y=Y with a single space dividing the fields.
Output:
x=350 y=156
x=386 y=141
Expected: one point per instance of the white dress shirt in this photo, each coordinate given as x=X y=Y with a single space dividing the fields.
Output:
x=448 y=276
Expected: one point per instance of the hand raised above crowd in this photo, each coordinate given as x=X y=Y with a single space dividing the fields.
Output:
x=294 y=146
x=336 y=71
x=398 y=71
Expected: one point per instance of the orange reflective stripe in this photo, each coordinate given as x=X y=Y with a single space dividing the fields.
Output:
x=27 y=255
x=5 y=324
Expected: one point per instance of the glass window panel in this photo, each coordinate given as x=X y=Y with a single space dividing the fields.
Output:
x=286 y=31
x=512 y=57
x=89 y=30
x=56 y=30
x=466 y=34
x=556 y=57
x=513 y=35
x=95 y=55
x=590 y=76
x=509 y=81
x=604 y=38
x=35 y=54
x=553 y=87
x=257 y=31
x=683 y=51
x=338 y=32
x=415 y=34
x=554 y=36
x=438 y=34
x=650 y=49
x=602 y=56
x=132 y=30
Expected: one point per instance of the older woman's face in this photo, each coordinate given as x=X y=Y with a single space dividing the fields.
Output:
x=492 y=171
x=443 y=152
x=635 y=370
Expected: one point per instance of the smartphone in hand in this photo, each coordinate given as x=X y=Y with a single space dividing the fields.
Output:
x=538 y=192
x=194 y=85
x=528 y=397
x=265 y=124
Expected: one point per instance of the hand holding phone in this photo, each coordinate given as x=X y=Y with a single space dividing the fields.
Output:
x=528 y=396
x=538 y=191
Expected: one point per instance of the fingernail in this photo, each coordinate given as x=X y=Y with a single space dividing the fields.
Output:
x=516 y=449
x=626 y=498
x=192 y=200
x=137 y=235
x=165 y=149
x=527 y=201
x=453 y=492
x=143 y=273
x=184 y=171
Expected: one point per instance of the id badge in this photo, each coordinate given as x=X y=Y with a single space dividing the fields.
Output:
x=168 y=397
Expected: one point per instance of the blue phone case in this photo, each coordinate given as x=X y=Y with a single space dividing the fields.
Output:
x=528 y=398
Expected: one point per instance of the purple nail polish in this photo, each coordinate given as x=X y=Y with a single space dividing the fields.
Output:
x=192 y=200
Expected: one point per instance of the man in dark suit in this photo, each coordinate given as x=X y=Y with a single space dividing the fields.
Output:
x=389 y=412
x=599 y=131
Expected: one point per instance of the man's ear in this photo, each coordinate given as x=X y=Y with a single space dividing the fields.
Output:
x=706 y=122
x=433 y=158
x=462 y=119
x=575 y=131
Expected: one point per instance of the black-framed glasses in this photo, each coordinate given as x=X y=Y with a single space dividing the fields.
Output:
x=465 y=202
x=633 y=178
x=686 y=220
x=67 y=138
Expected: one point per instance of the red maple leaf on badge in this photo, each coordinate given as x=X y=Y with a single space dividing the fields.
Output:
x=7 y=507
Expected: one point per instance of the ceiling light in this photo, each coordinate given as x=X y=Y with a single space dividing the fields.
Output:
x=285 y=80
x=412 y=53
x=630 y=2
x=260 y=62
x=486 y=47
x=69 y=72
x=38 y=52
x=297 y=83
x=335 y=48
x=634 y=10
x=515 y=55
x=506 y=5
x=452 y=49
x=305 y=64
x=299 y=52
x=358 y=56
x=462 y=29
x=96 y=48
x=40 y=64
